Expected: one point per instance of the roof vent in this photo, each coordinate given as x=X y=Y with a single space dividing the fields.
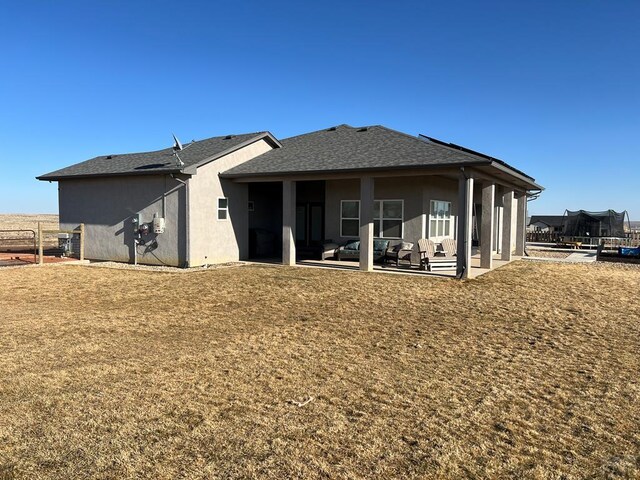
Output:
x=229 y=137
x=332 y=129
x=109 y=157
x=363 y=129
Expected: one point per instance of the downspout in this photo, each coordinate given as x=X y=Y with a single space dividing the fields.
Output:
x=460 y=274
x=186 y=219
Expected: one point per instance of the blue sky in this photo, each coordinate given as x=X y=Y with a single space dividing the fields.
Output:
x=551 y=87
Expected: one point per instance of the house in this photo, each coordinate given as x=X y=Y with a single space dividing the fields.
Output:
x=546 y=223
x=238 y=196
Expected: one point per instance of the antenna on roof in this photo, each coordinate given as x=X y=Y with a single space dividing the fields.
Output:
x=177 y=146
x=176 y=143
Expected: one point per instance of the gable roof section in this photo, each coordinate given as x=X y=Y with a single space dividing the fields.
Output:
x=193 y=155
x=348 y=149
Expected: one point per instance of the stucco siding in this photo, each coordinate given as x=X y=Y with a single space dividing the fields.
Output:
x=416 y=193
x=443 y=189
x=213 y=240
x=107 y=205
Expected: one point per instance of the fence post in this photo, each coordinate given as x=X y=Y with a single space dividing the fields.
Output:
x=40 y=249
x=81 y=241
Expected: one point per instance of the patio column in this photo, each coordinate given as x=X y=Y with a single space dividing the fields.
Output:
x=486 y=231
x=288 y=222
x=366 y=223
x=521 y=224
x=465 y=225
x=507 y=230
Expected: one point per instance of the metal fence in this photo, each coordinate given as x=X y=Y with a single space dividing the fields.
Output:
x=17 y=247
x=632 y=239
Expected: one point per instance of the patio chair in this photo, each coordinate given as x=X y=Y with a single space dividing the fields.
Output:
x=399 y=251
x=430 y=260
x=449 y=246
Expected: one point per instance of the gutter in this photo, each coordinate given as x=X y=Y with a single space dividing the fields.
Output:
x=518 y=175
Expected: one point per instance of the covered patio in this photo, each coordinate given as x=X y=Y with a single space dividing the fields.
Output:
x=370 y=168
x=475 y=271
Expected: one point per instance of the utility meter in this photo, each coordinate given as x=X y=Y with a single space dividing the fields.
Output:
x=144 y=229
x=158 y=225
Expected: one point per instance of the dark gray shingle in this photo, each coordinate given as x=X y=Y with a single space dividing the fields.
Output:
x=161 y=161
x=550 y=220
x=346 y=148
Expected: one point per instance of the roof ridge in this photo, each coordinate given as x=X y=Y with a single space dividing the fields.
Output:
x=170 y=148
x=328 y=129
x=468 y=154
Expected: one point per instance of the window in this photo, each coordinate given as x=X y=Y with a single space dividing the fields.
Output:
x=251 y=206
x=440 y=220
x=387 y=218
x=349 y=218
x=223 y=208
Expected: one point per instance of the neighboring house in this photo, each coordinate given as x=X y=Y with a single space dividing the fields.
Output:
x=241 y=196
x=546 y=223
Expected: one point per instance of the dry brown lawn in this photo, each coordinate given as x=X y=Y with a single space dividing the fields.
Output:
x=532 y=371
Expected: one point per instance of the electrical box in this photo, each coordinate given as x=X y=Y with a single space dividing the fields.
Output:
x=158 y=225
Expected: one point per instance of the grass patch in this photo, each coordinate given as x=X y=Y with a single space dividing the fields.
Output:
x=532 y=371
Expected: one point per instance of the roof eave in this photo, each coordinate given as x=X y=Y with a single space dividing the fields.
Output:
x=57 y=178
x=523 y=178
x=354 y=170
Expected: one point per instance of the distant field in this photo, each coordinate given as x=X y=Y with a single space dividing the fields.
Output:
x=12 y=221
x=529 y=372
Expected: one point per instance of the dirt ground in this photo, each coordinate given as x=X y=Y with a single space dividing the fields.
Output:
x=547 y=253
x=531 y=371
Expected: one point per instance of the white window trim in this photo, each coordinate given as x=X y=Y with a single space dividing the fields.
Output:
x=452 y=222
x=380 y=219
x=349 y=218
x=218 y=209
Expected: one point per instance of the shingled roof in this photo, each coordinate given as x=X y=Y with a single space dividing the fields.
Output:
x=163 y=161
x=334 y=150
x=346 y=148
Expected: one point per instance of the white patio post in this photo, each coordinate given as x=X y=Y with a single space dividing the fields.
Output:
x=521 y=224
x=465 y=221
x=487 y=228
x=288 y=222
x=497 y=229
x=507 y=230
x=366 y=223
